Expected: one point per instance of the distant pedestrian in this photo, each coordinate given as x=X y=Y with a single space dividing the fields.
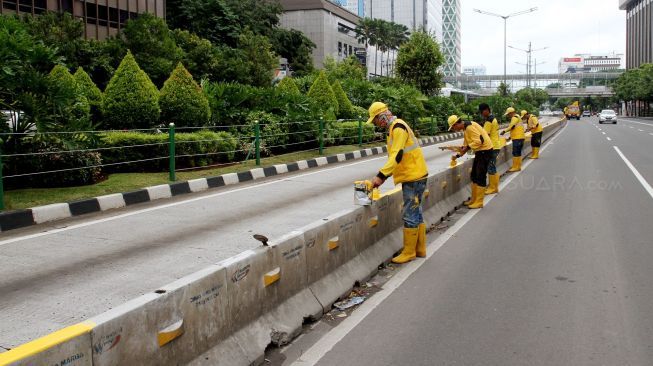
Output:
x=536 y=132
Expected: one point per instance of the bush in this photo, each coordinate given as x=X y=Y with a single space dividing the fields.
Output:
x=182 y=100
x=304 y=83
x=131 y=99
x=221 y=146
x=63 y=85
x=323 y=95
x=87 y=88
x=345 y=108
x=346 y=133
x=59 y=159
x=274 y=134
x=288 y=86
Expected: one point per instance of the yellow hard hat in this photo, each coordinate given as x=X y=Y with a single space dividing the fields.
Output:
x=375 y=109
x=509 y=110
x=523 y=113
x=453 y=119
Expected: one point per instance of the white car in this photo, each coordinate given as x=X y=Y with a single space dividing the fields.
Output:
x=607 y=116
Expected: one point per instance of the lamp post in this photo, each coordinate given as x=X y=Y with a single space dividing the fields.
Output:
x=535 y=74
x=505 y=27
x=529 y=53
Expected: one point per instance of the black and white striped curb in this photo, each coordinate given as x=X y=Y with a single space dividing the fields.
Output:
x=41 y=214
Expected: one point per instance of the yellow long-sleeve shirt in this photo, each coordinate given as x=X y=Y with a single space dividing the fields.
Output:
x=476 y=137
x=405 y=159
x=516 y=129
x=534 y=125
x=491 y=126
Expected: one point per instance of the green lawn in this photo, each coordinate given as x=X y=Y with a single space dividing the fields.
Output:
x=124 y=182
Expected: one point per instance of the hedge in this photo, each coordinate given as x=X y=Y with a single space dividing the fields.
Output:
x=346 y=133
x=220 y=145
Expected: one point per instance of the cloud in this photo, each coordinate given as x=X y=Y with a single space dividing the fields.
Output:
x=566 y=27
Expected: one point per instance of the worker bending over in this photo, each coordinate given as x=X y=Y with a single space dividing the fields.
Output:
x=516 y=130
x=407 y=166
x=491 y=126
x=477 y=139
x=536 y=131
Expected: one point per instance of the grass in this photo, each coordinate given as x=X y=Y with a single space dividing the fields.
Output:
x=125 y=182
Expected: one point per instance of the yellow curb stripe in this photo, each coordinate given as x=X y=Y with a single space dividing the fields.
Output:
x=46 y=342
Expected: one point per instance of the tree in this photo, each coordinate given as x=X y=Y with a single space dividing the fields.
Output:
x=322 y=94
x=535 y=97
x=503 y=90
x=418 y=63
x=251 y=63
x=347 y=69
x=182 y=100
x=398 y=36
x=153 y=47
x=345 y=108
x=296 y=48
x=92 y=93
x=74 y=109
x=288 y=86
x=201 y=57
x=131 y=99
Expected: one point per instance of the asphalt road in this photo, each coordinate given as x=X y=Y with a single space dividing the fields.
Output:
x=557 y=270
x=54 y=276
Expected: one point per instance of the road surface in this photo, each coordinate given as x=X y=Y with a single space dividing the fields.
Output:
x=556 y=270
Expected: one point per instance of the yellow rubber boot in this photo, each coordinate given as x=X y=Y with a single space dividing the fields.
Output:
x=410 y=243
x=421 y=241
x=516 y=164
x=494 y=184
x=536 y=153
x=473 y=198
x=480 y=195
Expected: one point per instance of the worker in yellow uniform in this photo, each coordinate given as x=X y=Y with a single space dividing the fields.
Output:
x=516 y=129
x=407 y=166
x=491 y=126
x=536 y=129
x=477 y=139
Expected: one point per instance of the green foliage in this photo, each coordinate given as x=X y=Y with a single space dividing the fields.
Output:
x=532 y=96
x=201 y=57
x=131 y=100
x=345 y=108
x=635 y=84
x=322 y=94
x=385 y=36
x=274 y=133
x=503 y=90
x=75 y=107
x=348 y=68
x=418 y=63
x=220 y=147
x=252 y=63
x=153 y=46
x=288 y=86
x=182 y=100
x=346 y=133
x=88 y=89
x=296 y=48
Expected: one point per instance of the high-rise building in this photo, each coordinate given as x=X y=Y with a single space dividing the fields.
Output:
x=475 y=70
x=414 y=14
x=639 y=30
x=355 y=6
x=102 y=18
x=451 y=37
x=591 y=63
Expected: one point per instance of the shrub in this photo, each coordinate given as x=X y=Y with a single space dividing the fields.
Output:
x=274 y=134
x=64 y=86
x=322 y=94
x=220 y=145
x=182 y=100
x=288 y=86
x=345 y=108
x=87 y=88
x=131 y=99
x=347 y=132
x=58 y=159
x=304 y=83
x=359 y=112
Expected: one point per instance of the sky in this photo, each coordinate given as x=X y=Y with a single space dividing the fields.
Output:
x=566 y=27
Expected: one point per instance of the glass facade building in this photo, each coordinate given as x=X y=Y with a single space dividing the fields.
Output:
x=451 y=37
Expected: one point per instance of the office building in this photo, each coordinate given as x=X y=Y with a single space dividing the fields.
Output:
x=639 y=41
x=591 y=63
x=451 y=47
x=102 y=18
x=355 y=6
x=329 y=26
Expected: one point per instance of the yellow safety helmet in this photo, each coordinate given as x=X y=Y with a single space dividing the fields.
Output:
x=509 y=110
x=375 y=109
x=523 y=113
x=453 y=119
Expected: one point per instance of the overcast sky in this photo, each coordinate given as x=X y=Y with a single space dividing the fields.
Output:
x=567 y=27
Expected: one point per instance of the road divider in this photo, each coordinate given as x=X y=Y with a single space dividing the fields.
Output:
x=230 y=312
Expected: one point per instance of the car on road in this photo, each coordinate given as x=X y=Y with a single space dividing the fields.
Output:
x=607 y=116
x=587 y=114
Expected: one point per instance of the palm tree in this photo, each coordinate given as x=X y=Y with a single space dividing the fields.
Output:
x=399 y=36
x=365 y=32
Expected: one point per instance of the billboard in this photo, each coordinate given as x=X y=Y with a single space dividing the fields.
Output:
x=573 y=59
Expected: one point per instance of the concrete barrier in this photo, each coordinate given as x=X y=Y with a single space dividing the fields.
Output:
x=228 y=313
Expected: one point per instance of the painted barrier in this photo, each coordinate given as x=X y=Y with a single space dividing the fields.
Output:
x=228 y=313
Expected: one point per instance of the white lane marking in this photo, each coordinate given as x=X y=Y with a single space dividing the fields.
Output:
x=651 y=133
x=640 y=130
x=315 y=353
x=631 y=126
x=632 y=168
x=190 y=200
x=609 y=139
x=639 y=123
x=603 y=133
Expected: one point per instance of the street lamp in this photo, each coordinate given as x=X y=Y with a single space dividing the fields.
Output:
x=529 y=52
x=505 y=26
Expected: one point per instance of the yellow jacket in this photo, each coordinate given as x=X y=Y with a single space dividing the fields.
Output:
x=405 y=159
x=534 y=125
x=516 y=129
x=491 y=126
x=476 y=137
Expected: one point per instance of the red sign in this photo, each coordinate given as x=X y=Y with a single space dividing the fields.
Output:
x=573 y=59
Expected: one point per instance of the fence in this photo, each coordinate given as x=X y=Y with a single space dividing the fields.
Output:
x=71 y=158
